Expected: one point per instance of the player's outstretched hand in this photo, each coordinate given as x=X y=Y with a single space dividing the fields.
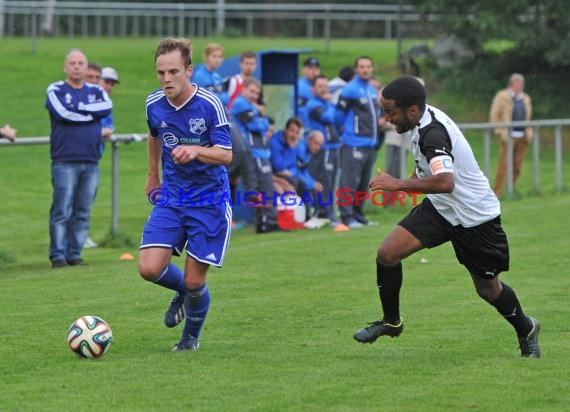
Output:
x=383 y=181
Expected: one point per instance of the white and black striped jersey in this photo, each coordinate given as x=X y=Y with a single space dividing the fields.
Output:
x=438 y=146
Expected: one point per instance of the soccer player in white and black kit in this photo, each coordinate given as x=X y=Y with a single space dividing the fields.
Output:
x=460 y=207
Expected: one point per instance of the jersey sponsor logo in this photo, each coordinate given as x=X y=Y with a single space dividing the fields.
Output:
x=170 y=140
x=197 y=126
x=188 y=140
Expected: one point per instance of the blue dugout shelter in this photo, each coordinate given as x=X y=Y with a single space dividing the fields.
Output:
x=278 y=71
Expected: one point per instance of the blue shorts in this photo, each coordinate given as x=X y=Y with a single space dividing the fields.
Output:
x=205 y=231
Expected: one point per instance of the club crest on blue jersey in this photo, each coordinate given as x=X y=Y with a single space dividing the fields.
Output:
x=197 y=126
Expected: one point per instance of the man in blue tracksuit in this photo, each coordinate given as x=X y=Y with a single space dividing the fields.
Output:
x=357 y=115
x=75 y=109
x=254 y=127
x=319 y=115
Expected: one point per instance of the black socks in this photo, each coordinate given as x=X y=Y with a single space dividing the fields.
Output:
x=389 y=281
x=508 y=305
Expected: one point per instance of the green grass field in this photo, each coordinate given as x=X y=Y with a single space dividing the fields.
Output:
x=284 y=307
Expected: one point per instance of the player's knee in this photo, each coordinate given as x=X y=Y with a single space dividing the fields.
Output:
x=192 y=283
x=148 y=271
x=488 y=291
x=387 y=256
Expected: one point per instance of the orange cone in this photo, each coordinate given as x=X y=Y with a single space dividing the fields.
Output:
x=341 y=227
x=127 y=256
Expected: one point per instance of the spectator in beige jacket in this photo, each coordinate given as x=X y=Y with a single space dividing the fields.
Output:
x=511 y=104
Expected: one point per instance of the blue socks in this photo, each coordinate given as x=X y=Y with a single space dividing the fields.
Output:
x=196 y=301
x=196 y=305
x=172 y=278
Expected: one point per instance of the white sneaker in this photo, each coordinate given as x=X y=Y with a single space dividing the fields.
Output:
x=315 y=223
x=355 y=225
x=89 y=244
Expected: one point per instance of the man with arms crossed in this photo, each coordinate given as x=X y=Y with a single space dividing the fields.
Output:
x=460 y=207
x=189 y=135
x=75 y=109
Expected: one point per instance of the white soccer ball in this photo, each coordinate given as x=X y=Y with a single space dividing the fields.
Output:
x=89 y=337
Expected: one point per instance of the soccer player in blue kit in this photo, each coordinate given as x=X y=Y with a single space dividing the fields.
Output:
x=189 y=135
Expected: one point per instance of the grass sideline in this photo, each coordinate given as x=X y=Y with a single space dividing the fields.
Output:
x=284 y=307
x=278 y=336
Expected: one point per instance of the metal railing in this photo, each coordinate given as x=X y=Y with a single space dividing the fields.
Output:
x=487 y=129
x=29 y=18
x=114 y=141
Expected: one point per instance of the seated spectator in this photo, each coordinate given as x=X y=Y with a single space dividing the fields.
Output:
x=320 y=115
x=254 y=126
x=236 y=84
x=308 y=150
x=242 y=165
x=290 y=156
x=283 y=151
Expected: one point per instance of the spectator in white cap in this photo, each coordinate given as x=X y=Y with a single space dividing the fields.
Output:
x=109 y=78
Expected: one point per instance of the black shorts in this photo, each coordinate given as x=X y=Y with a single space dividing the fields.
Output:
x=482 y=249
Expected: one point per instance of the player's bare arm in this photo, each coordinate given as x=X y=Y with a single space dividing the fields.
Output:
x=211 y=155
x=154 y=151
x=440 y=183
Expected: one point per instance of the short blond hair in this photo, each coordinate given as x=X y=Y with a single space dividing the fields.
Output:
x=171 y=44
x=211 y=48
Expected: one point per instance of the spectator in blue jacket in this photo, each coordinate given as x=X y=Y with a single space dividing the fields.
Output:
x=311 y=68
x=319 y=115
x=254 y=127
x=76 y=109
x=206 y=75
x=358 y=114
x=109 y=79
x=290 y=157
x=283 y=145
x=306 y=150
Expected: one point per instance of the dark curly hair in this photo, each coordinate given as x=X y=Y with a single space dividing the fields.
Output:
x=406 y=91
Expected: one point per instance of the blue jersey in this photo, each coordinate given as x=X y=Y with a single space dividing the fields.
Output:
x=75 y=116
x=319 y=115
x=357 y=114
x=200 y=121
x=304 y=91
x=210 y=80
x=253 y=125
